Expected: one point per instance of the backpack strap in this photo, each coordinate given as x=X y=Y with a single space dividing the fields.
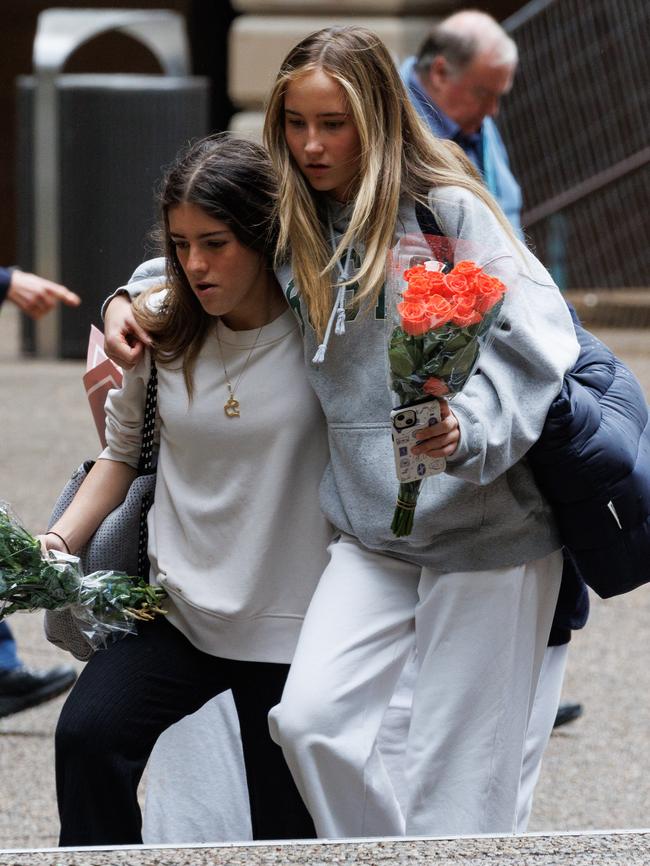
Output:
x=440 y=245
x=426 y=220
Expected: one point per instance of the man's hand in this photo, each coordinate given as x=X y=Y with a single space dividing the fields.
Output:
x=37 y=296
x=124 y=339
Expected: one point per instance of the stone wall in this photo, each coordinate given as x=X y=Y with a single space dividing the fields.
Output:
x=265 y=30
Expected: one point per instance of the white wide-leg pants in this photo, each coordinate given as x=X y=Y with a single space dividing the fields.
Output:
x=480 y=640
x=542 y=719
x=393 y=734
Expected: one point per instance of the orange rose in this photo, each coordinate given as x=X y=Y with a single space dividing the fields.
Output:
x=414 y=316
x=418 y=286
x=422 y=283
x=439 y=310
x=458 y=284
x=465 y=314
x=416 y=289
x=415 y=274
x=468 y=269
x=435 y=387
x=489 y=290
x=438 y=284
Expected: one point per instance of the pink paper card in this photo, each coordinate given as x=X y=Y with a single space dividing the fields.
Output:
x=101 y=375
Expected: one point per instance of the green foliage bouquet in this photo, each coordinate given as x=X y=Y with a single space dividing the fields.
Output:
x=106 y=604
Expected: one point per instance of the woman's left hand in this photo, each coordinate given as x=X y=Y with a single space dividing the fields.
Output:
x=51 y=542
x=441 y=439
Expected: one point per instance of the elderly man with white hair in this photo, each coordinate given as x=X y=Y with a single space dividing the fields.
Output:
x=465 y=65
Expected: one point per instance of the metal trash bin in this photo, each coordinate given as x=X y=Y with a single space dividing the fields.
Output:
x=90 y=151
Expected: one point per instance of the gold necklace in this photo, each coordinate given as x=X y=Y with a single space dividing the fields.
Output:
x=231 y=406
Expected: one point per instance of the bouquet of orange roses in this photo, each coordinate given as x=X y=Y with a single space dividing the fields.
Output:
x=440 y=323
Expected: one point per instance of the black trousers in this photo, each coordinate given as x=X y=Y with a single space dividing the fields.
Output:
x=125 y=698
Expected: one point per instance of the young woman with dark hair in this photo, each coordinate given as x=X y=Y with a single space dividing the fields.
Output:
x=236 y=536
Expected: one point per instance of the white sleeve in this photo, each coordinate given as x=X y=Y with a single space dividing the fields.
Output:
x=503 y=406
x=125 y=415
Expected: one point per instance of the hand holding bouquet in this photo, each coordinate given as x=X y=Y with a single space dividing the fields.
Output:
x=440 y=325
x=105 y=603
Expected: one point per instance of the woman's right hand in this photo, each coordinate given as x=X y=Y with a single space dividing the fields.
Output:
x=124 y=339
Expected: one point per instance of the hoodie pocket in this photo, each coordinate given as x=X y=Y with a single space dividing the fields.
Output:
x=359 y=491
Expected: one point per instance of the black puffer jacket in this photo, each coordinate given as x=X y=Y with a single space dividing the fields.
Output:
x=592 y=462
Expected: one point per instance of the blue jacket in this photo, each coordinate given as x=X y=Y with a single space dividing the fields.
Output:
x=592 y=462
x=493 y=163
x=5 y=280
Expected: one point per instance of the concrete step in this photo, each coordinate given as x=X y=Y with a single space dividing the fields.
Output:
x=625 y=848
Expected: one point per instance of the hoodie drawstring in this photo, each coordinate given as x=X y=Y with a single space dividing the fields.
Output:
x=338 y=310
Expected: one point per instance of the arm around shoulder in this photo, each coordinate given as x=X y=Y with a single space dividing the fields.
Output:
x=124 y=339
x=147 y=275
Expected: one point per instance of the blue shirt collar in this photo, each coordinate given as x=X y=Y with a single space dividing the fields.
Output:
x=439 y=123
x=485 y=148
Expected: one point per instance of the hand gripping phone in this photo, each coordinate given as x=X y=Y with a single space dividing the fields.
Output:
x=404 y=424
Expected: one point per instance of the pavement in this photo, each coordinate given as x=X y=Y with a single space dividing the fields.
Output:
x=593 y=797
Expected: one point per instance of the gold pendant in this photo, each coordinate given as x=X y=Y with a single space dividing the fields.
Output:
x=231 y=407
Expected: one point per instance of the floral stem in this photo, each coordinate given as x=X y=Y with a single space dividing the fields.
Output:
x=407 y=499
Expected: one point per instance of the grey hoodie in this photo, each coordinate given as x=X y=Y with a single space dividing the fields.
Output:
x=485 y=511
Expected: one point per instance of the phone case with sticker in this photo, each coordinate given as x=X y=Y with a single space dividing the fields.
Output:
x=404 y=424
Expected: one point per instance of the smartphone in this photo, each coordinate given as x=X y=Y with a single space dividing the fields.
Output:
x=404 y=424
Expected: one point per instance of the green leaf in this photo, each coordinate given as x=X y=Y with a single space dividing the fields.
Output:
x=404 y=353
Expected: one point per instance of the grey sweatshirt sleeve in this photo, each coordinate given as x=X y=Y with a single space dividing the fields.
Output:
x=148 y=274
x=502 y=408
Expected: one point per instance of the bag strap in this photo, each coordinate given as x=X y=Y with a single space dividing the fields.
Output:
x=145 y=463
x=441 y=246
x=426 y=220
x=146 y=467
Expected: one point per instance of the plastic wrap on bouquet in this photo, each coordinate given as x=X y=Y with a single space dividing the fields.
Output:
x=440 y=317
x=105 y=604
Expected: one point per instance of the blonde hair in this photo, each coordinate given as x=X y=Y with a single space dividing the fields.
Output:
x=399 y=154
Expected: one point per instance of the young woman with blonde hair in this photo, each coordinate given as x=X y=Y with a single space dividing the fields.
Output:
x=477 y=580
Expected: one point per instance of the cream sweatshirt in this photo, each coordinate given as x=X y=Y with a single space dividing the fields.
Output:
x=236 y=535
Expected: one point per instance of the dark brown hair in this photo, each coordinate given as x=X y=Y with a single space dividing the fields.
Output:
x=231 y=180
